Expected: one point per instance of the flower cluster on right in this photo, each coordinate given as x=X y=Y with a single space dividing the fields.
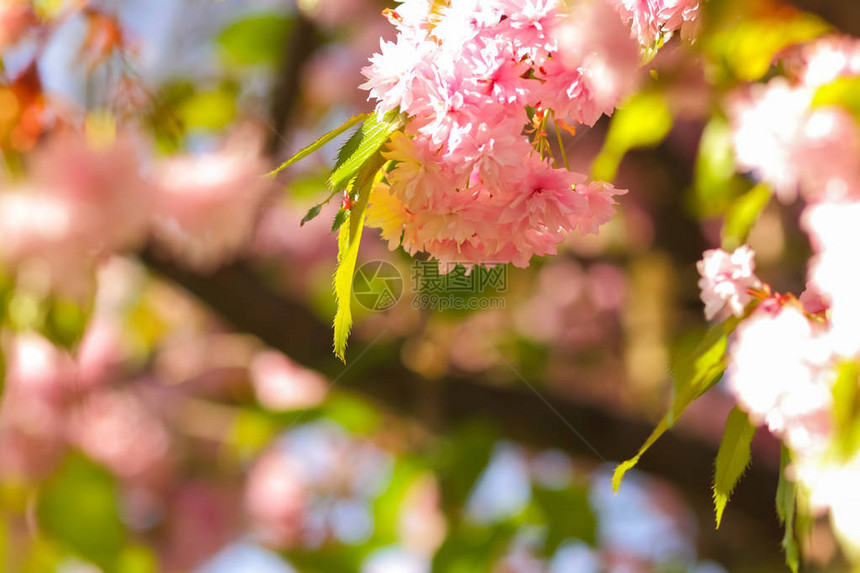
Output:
x=788 y=352
x=483 y=83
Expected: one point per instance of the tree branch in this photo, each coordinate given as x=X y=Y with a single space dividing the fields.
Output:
x=842 y=14
x=300 y=46
x=750 y=531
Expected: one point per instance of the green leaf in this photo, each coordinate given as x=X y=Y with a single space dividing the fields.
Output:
x=568 y=515
x=742 y=216
x=25 y=311
x=307 y=185
x=347 y=254
x=65 y=322
x=312 y=214
x=694 y=375
x=250 y=433
x=846 y=410
x=257 y=39
x=209 y=110
x=743 y=40
x=460 y=460
x=349 y=239
x=2 y=373
x=79 y=507
x=43 y=555
x=348 y=148
x=844 y=92
x=716 y=183
x=696 y=372
x=333 y=558
x=333 y=134
x=389 y=507
x=339 y=219
x=627 y=465
x=786 y=494
x=471 y=549
x=354 y=414
x=137 y=559
x=4 y=541
x=373 y=135
x=733 y=458
x=644 y=120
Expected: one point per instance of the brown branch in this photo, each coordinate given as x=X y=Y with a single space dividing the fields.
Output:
x=750 y=531
x=301 y=45
x=842 y=14
x=750 y=534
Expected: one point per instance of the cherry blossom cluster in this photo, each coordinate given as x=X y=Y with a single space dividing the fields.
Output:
x=55 y=400
x=655 y=21
x=780 y=366
x=295 y=500
x=727 y=279
x=786 y=353
x=483 y=83
x=16 y=16
x=84 y=198
x=793 y=145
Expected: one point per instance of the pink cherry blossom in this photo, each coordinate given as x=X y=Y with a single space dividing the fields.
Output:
x=767 y=121
x=412 y=16
x=834 y=234
x=40 y=369
x=276 y=499
x=467 y=183
x=117 y=429
x=281 y=384
x=44 y=245
x=597 y=65
x=828 y=59
x=465 y=20
x=418 y=178
x=33 y=223
x=779 y=372
x=495 y=149
x=16 y=17
x=544 y=197
x=40 y=378
x=786 y=143
x=291 y=497
x=83 y=202
x=99 y=352
x=601 y=206
x=725 y=281
x=529 y=26
x=653 y=20
x=794 y=146
x=207 y=204
x=827 y=155
x=394 y=71
x=103 y=184
x=831 y=485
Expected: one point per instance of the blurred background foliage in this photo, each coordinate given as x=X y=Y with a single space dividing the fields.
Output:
x=184 y=422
